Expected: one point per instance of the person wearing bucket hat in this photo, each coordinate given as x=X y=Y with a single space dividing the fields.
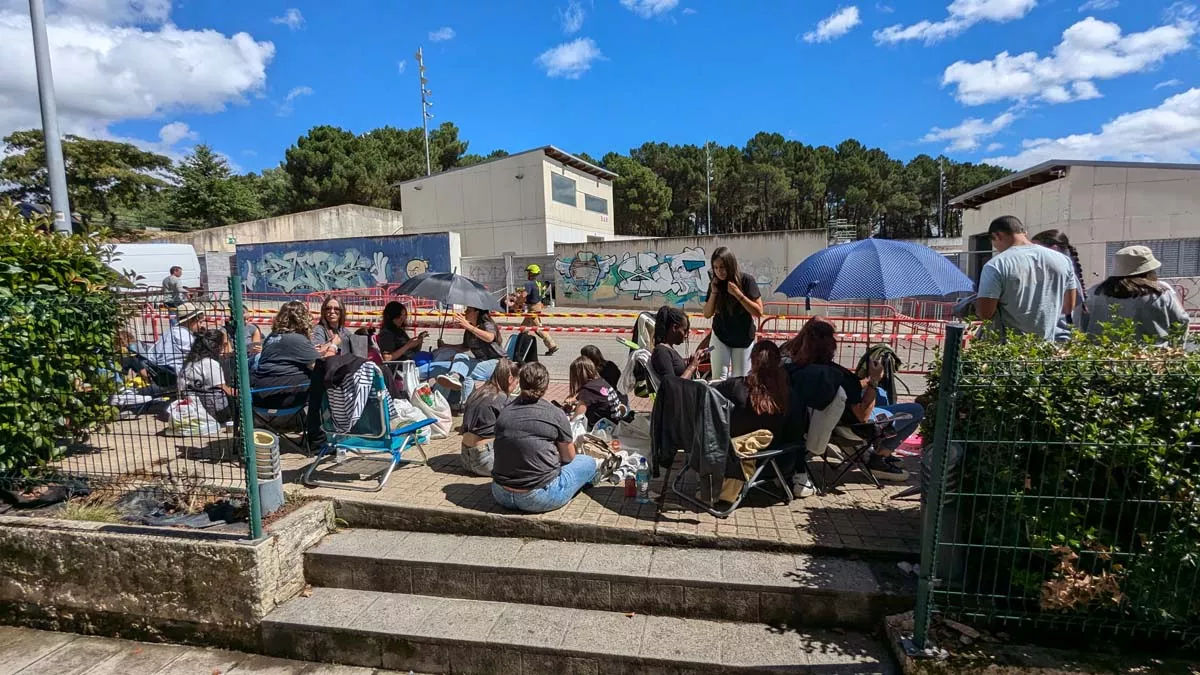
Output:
x=1132 y=291
x=533 y=297
x=168 y=352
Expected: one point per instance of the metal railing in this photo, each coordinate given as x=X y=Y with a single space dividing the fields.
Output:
x=1062 y=492
x=133 y=437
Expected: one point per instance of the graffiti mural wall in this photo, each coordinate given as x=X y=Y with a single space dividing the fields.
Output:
x=301 y=267
x=647 y=273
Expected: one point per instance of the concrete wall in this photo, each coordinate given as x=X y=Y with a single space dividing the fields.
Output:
x=300 y=267
x=496 y=212
x=145 y=583
x=648 y=273
x=347 y=220
x=1095 y=205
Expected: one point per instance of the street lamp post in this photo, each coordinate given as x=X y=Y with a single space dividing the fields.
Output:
x=54 y=156
x=708 y=186
x=426 y=104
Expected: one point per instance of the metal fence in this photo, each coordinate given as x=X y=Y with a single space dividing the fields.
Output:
x=111 y=383
x=1062 y=495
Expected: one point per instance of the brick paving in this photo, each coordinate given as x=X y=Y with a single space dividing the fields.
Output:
x=855 y=517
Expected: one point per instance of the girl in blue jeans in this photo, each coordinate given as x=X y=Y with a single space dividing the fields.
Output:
x=535 y=468
x=476 y=357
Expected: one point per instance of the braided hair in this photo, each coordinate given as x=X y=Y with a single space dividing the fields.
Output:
x=665 y=319
x=1057 y=240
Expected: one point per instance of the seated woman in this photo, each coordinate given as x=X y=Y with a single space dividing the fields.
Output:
x=1132 y=291
x=330 y=336
x=393 y=339
x=815 y=347
x=536 y=469
x=592 y=396
x=479 y=417
x=671 y=327
x=760 y=399
x=608 y=370
x=204 y=378
x=287 y=359
x=477 y=356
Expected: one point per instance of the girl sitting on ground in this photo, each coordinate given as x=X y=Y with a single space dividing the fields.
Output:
x=608 y=370
x=592 y=396
x=479 y=417
x=203 y=377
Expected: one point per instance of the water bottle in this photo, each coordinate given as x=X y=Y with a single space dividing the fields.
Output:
x=341 y=455
x=643 y=481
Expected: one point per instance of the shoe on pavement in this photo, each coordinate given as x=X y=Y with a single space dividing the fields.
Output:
x=802 y=486
x=887 y=468
x=451 y=381
x=552 y=350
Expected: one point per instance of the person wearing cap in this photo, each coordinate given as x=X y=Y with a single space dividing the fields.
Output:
x=1132 y=291
x=534 y=296
x=168 y=352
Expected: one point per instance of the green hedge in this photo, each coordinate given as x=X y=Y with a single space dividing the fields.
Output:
x=1078 y=490
x=58 y=326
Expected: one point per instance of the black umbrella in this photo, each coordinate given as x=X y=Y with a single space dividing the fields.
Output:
x=449 y=289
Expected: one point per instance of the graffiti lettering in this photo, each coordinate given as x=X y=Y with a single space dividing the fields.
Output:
x=305 y=267
x=677 y=278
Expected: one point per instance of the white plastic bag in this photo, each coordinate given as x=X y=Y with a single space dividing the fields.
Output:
x=579 y=426
x=405 y=413
x=187 y=417
x=409 y=376
x=434 y=406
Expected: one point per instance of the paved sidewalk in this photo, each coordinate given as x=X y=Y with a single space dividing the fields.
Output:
x=34 y=652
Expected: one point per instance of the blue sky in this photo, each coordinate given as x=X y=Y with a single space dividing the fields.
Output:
x=1016 y=81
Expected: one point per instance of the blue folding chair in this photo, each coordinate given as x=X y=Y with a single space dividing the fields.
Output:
x=371 y=435
x=269 y=417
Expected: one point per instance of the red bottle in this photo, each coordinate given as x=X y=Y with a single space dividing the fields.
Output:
x=630 y=487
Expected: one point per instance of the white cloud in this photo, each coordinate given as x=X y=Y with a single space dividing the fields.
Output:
x=688 y=10
x=1167 y=133
x=171 y=134
x=961 y=15
x=835 y=25
x=292 y=18
x=992 y=147
x=106 y=72
x=1090 y=50
x=401 y=66
x=288 y=104
x=884 y=9
x=570 y=59
x=1168 y=83
x=648 y=9
x=968 y=135
x=1098 y=5
x=572 y=17
x=442 y=34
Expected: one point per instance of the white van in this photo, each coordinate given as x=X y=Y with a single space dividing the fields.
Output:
x=151 y=263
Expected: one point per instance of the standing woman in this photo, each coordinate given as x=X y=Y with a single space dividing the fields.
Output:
x=1132 y=291
x=1056 y=240
x=330 y=336
x=734 y=304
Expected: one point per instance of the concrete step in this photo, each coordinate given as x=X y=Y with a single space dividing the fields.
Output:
x=450 y=635
x=730 y=585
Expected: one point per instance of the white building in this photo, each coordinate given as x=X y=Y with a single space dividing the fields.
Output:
x=520 y=204
x=1102 y=207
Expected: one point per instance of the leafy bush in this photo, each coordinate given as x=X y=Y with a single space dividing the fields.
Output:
x=58 y=326
x=1078 y=491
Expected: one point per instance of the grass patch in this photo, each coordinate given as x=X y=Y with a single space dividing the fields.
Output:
x=93 y=513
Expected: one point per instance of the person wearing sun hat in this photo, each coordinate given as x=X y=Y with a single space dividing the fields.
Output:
x=1133 y=291
x=168 y=352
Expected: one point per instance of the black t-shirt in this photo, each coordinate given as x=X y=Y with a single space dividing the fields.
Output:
x=485 y=351
x=601 y=399
x=611 y=373
x=666 y=362
x=743 y=419
x=480 y=415
x=391 y=339
x=526 y=449
x=286 y=355
x=734 y=327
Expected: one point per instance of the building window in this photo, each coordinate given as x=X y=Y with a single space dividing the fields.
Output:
x=1179 y=257
x=562 y=190
x=597 y=204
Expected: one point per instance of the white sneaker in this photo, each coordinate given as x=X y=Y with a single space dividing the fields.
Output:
x=127 y=398
x=452 y=381
x=802 y=486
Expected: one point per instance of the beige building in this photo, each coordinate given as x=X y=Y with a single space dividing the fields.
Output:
x=1102 y=206
x=520 y=204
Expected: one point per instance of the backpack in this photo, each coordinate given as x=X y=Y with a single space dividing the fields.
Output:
x=525 y=348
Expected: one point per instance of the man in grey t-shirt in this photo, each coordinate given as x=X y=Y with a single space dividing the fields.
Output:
x=174 y=293
x=1025 y=288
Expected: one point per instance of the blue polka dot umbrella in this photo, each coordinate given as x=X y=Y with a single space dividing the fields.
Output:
x=875 y=269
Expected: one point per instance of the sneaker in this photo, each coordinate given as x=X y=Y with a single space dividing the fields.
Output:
x=552 y=350
x=887 y=468
x=128 y=398
x=802 y=486
x=451 y=381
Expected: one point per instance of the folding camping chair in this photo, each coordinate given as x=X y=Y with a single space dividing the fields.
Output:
x=766 y=472
x=857 y=442
x=371 y=435
x=271 y=417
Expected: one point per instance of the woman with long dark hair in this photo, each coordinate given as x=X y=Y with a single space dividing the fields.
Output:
x=734 y=304
x=330 y=336
x=816 y=346
x=479 y=417
x=476 y=357
x=760 y=399
x=393 y=339
x=591 y=395
x=671 y=327
x=1133 y=291
x=1057 y=240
